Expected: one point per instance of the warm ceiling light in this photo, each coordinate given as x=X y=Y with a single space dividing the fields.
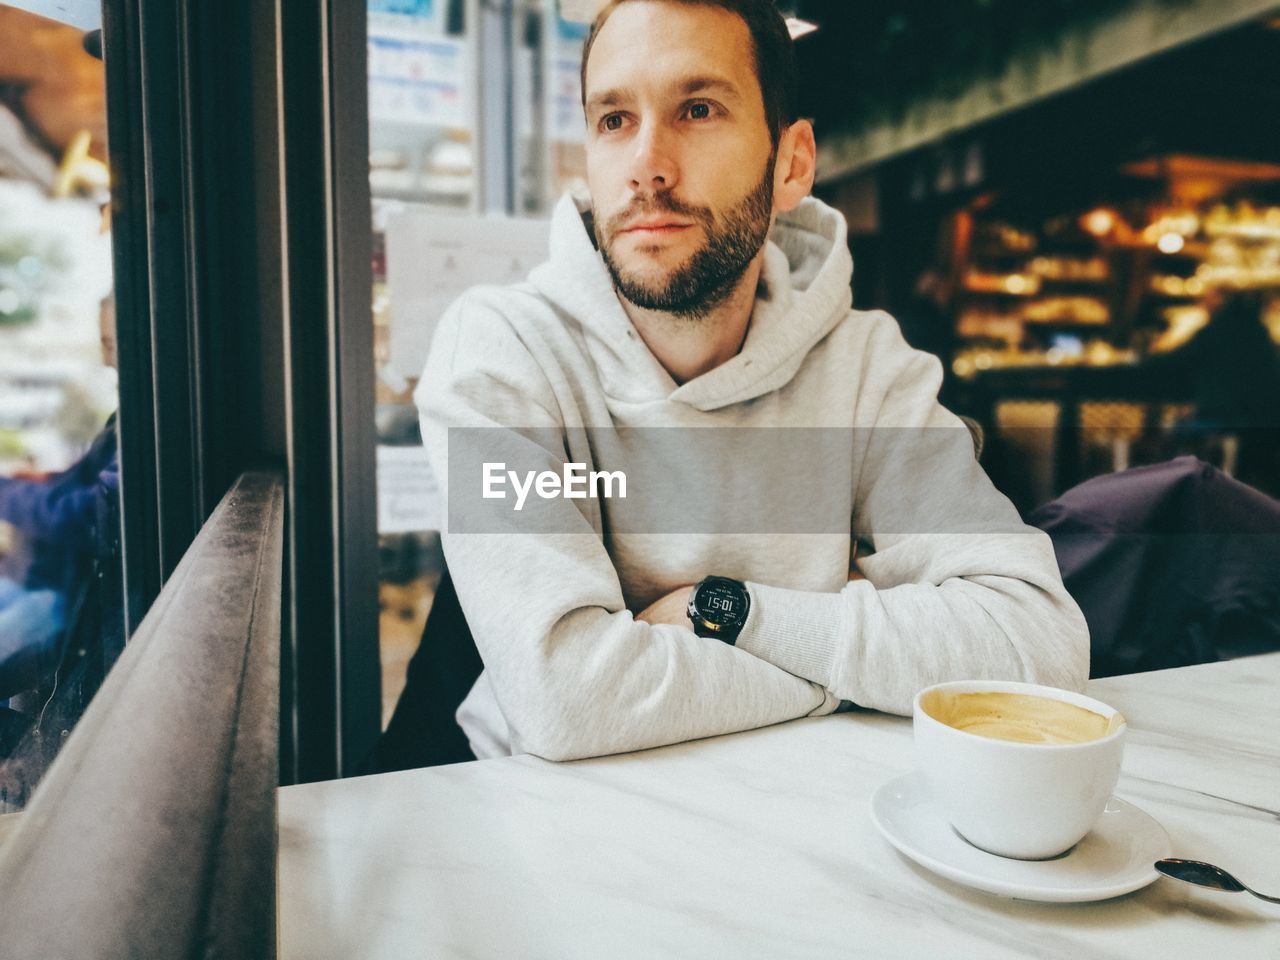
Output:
x=1170 y=242
x=800 y=28
x=1099 y=222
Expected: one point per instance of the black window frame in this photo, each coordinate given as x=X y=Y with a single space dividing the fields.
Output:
x=238 y=144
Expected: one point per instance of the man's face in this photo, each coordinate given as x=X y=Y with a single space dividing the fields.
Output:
x=679 y=159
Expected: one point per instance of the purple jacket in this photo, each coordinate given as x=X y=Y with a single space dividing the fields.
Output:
x=1172 y=564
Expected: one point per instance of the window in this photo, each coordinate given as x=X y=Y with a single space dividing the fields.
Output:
x=475 y=130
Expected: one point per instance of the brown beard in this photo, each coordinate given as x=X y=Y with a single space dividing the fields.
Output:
x=703 y=283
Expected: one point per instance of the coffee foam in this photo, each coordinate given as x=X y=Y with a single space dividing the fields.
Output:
x=1020 y=717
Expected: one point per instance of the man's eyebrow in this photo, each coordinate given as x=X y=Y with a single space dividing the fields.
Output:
x=608 y=98
x=716 y=84
x=611 y=98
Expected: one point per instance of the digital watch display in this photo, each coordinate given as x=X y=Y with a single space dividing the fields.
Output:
x=719 y=607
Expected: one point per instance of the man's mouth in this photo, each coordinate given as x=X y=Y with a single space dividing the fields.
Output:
x=657 y=227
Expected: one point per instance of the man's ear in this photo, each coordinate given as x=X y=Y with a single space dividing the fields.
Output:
x=796 y=165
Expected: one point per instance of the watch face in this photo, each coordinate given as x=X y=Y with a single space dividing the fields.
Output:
x=722 y=603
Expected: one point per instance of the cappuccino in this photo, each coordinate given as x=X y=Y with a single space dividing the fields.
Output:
x=1018 y=769
x=1020 y=717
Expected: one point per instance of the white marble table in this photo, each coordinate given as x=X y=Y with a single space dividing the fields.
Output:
x=760 y=845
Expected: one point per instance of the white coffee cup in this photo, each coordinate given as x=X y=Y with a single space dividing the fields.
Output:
x=1030 y=801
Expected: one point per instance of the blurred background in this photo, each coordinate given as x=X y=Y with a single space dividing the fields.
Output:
x=55 y=255
x=1055 y=198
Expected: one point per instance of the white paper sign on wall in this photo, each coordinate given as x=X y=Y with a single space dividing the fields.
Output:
x=432 y=259
x=417 y=79
x=408 y=496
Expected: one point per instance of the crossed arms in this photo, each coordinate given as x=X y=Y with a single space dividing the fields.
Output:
x=576 y=673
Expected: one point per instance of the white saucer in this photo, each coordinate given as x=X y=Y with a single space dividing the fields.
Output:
x=1115 y=857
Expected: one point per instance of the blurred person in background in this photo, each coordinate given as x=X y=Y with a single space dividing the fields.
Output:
x=1233 y=367
x=61 y=615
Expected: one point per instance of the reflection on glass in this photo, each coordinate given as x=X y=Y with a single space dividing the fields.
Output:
x=61 y=623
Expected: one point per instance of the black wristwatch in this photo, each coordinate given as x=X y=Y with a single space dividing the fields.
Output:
x=718 y=608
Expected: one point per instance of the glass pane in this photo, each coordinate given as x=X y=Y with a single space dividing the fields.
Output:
x=440 y=226
x=61 y=624
x=422 y=137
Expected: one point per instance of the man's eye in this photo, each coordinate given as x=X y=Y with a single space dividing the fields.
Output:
x=700 y=111
x=612 y=122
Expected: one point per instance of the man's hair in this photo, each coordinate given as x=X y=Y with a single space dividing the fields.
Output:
x=771 y=46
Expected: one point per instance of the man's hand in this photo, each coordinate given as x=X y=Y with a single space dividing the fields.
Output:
x=673 y=608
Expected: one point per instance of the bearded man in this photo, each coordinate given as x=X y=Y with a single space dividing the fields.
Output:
x=700 y=300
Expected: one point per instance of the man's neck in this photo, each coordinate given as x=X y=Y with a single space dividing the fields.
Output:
x=689 y=347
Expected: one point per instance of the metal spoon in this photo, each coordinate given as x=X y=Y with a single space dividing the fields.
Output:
x=1207 y=875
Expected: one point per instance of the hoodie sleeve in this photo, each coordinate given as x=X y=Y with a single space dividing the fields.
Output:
x=574 y=674
x=957 y=588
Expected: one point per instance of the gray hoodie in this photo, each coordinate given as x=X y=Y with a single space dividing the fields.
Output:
x=844 y=442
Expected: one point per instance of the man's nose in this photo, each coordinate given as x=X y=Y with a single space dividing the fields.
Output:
x=653 y=160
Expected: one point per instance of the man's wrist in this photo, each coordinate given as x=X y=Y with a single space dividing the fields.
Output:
x=795 y=630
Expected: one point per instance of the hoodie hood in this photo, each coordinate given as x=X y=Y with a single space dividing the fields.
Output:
x=804 y=293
